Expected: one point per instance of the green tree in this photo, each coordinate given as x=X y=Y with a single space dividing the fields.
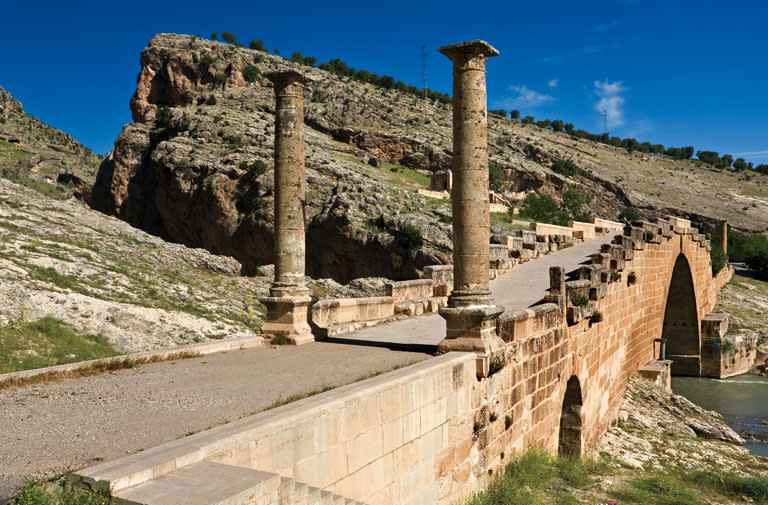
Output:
x=228 y=37
x=495 y=177
x=527 y=120
x=630 y=145
x=215 y=36
x=725 y=161
x=710 y=157
x=498 y=112
x=257 y=45
x=543 y=209
x=629 y=214
x=718 y=258
x=568 y=127
x=557 y=125
x=514 y=114
x=574 y=201
x=739 y=164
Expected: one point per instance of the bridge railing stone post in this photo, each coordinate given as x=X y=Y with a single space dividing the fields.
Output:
x=288 y=301
x=471 y=313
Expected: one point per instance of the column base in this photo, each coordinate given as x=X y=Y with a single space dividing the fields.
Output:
x=288 y=316
x=472 y=329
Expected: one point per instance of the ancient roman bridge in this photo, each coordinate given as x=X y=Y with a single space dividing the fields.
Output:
x=507 y=377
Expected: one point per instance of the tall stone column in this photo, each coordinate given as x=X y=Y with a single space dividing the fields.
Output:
x=471 y=313
x=288 y=303
x=724 y=236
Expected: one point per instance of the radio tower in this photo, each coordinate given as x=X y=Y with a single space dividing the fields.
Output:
x=424 y=70
x=605 y=121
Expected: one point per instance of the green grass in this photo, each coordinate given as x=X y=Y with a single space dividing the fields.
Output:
x=10 y=150
x=52 y=493
x=536 y=478
x=502 y=222
x=406 y=174
x=25 y=345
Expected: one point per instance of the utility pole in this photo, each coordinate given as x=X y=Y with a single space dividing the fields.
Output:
x=424 y=70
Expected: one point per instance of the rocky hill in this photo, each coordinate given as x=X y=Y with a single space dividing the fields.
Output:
x=195 y=166
x=41 y=157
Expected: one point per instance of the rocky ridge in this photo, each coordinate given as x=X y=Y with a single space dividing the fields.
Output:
x=196 y=166
x=41 y=157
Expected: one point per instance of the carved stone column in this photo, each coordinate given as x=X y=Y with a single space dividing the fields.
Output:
x=471 y=313
x=289 y=301
x=724 y=236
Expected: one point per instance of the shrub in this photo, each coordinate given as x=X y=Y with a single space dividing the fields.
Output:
x=220 y=79
x=507 y=422
x=579 y=300
x=280 y=338
x=257 y=45
x=410 y=238
x=493 y=417
x=235 y=140
x=565 y=167
x=649 y=235
x=257 y=167
x=164 y=117
x=495 y=176
x=215 y=36
x=228 y=37
x=631 y=278
x=206 y=61
x=629 y=214
x=497 y=363
x=596 y=317
x=251 y=73
x=615 y=275
x=718 y=258
x=542 y=208
x=498 y=112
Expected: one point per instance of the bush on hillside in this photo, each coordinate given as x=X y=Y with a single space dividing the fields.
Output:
x=543 y=208
x=251 y=73
x=718 y=258
x=495 y=177
x=629 y=214
x=565 y=167
x=228 y=37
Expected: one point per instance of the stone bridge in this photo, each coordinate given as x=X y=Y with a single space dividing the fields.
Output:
x=514 y=370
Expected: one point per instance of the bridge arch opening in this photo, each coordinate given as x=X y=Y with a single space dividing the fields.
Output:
x=569 y=443
x=681 y=322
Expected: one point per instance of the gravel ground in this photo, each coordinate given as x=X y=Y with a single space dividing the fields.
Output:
x=75 y=423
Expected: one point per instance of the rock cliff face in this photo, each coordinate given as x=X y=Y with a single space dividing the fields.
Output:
x=196 y=165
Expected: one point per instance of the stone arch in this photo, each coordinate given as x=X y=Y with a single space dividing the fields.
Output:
x=681 y=321
x=571 y=421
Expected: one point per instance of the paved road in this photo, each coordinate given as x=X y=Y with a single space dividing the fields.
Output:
x=521 y=287
x=78 y=422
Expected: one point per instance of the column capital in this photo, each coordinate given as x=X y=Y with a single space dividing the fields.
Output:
x=470 y=51
x=288 y=82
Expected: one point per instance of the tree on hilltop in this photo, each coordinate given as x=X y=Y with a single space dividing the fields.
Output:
x=228 y=37
x=514 y=114
x=257 y=45
x=215 y=36
x=740 y=164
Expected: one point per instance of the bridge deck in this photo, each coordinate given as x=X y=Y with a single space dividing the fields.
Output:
x=77 y=422
x=521 y=287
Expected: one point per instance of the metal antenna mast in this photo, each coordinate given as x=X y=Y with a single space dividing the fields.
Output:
x=424 y=70
x=605 y=121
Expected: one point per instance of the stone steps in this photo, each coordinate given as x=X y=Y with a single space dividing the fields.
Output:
x=209 y=483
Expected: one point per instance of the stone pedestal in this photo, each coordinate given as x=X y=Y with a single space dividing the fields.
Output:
x=471 y=314
x=289 y=301
x=288 y=316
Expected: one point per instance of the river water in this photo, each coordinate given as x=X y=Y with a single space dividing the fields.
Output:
x=742 y=400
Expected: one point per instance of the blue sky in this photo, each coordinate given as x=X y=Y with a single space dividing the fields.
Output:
x=676 y=73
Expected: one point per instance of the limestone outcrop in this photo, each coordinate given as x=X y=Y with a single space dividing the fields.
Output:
x=196 y=165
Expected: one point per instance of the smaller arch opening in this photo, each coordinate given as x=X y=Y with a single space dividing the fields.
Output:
x=569 y=443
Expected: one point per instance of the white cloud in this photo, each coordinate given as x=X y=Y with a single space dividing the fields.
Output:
x=754 y=154
x=526 y=98
x=611 y=101
x=553 y=83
